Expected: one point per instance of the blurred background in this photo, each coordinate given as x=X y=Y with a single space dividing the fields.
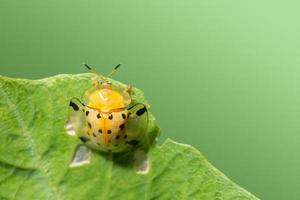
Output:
x=223 y=76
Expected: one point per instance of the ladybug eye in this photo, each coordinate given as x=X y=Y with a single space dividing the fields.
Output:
x=100 y=82
x=109 y=82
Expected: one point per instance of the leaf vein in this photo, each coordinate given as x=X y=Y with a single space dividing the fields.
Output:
x=21 y=123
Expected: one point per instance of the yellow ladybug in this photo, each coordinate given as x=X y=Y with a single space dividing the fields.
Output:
x=108 y=120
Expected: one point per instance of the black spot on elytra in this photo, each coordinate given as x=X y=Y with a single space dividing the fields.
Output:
x=108 y=131
x=122 y=126
x=98 y=116
x=118 y=137
x=100 y=130
x=87 y=113
x=110 y=117
x=74 y=106
x=89 y=124
x=141 y=111
x=84 y=139
x=123 y=116
x=132 y=142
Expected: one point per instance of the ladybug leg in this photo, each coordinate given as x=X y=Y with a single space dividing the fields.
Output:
x=126 y=94
x=128 y=89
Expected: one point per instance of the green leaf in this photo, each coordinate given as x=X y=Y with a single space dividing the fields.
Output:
x=37 y=154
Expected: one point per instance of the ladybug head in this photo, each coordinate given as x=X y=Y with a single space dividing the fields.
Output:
x=105 y=84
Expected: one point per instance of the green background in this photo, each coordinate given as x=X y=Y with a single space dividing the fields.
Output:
x=223 y=76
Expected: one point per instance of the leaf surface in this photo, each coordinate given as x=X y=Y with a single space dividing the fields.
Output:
x=37 y=155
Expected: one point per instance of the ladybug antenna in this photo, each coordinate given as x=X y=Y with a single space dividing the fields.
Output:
x=114 y=70
x=89 y=68
x=92 y=70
